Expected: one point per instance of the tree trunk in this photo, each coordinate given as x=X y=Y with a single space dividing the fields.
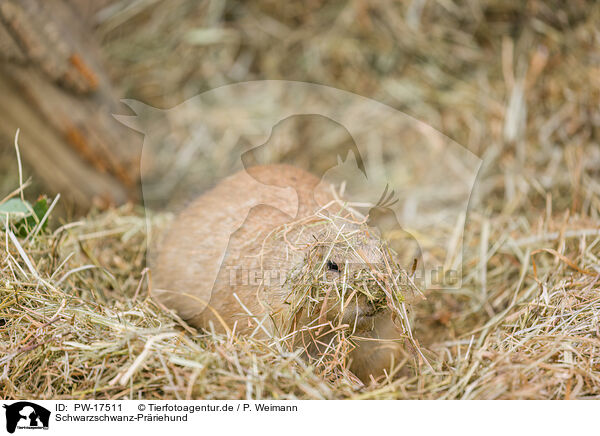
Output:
x=53 y=88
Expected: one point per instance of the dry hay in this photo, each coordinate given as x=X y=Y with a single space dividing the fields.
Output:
x=78 y=323
x=514 y=82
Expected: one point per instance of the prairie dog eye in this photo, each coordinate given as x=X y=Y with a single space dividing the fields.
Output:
x=332 y=266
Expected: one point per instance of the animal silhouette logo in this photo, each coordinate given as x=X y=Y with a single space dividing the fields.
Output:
x=336 y=135
x=26 y=415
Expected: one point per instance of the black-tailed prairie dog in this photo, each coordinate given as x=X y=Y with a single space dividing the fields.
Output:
x=271 y=251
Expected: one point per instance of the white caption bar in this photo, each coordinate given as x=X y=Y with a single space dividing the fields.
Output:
x=90 y=418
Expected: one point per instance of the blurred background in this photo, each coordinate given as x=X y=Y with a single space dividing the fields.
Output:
x=514 y=82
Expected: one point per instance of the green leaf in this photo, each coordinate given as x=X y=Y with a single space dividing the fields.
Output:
x=14 y=208
x=23 y=215
x=40 y=208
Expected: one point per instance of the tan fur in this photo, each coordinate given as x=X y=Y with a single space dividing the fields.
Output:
x=194 y=277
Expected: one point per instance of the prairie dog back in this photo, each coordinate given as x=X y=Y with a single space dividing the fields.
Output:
x=227 y=221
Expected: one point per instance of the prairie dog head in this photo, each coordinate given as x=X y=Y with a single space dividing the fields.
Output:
x=344 y=276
